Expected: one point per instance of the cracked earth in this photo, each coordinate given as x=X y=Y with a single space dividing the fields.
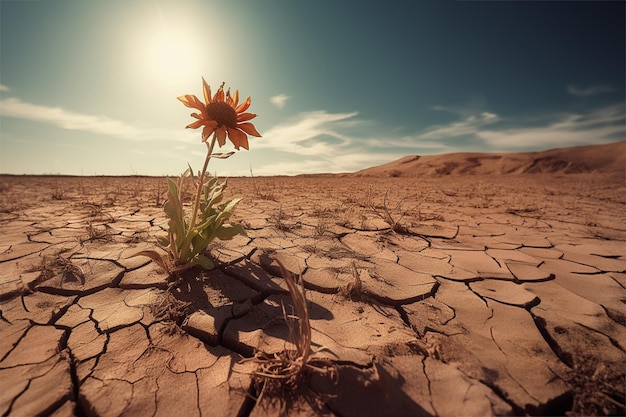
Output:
x=501 y=296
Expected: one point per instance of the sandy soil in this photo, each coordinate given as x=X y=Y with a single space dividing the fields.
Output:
x=496 y=295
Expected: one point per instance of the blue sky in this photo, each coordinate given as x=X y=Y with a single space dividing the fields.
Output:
x=90 y=87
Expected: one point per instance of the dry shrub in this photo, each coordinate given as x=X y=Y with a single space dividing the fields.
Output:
x=391 y=215
x=52 y=266
x=353 y=290
x=171 y=308
x=279 y=220
x=281 y=377
x=96 y=232
x=58 y=193
x=262 y=194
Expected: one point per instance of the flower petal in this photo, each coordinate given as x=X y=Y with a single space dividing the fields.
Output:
x=206 y=89
x=249 y=129
x=235 y=99
x=245 y=117
x=219 y=96
x=238 y=138
x=221 y=136
x=229 y=99
x=245 y=145
x=195 y=124
x=244 y=106
x=209 y=128
x=192 y=101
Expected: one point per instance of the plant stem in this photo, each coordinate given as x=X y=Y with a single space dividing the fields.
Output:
x=196 y=204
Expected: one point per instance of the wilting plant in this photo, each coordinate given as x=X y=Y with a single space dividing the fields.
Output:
x=189 y=236
x=283 y=374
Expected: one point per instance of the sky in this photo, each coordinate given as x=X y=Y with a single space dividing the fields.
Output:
x=90 y=87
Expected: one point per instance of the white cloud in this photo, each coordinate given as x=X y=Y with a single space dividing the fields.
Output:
x=467 y=126
x=297 y=135
x=411 y=144
x=346 y=162
x=588 y=91
x=290 y=136
x=279 y=100
x=599 y=126
x=4 y=87
x=69 y=120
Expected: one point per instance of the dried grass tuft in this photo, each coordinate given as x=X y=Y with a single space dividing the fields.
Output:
x=52 y=266
x=391 y=216
x=353 y=290
x=281 y=377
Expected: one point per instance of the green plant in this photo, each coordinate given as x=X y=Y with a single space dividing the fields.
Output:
x=189 y=236
x=187 y=241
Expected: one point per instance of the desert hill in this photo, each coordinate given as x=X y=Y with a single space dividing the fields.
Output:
x=609 y=159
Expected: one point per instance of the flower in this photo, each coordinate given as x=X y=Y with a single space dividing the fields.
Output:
x=223 y=115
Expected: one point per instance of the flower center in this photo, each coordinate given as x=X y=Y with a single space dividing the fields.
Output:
x=223 y=114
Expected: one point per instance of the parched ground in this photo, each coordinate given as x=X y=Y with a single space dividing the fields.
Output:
x=494 y=295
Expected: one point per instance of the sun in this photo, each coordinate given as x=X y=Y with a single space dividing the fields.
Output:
x=171 y=54
x=164 y=47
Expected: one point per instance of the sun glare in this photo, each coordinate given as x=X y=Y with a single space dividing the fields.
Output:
x=166 y=48
x=171 y=54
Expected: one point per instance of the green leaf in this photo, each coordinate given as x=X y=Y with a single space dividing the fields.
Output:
x=230 y=231
x=204 y=262
x=187 y=245
x=205 y=224
x=163 y=241
x=222 y=155
x=173 y=208
x=226 y=212
x=172 y=187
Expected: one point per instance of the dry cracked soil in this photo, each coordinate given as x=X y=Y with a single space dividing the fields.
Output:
x=490 y=295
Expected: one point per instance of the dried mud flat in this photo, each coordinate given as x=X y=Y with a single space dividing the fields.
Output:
x=501 y=296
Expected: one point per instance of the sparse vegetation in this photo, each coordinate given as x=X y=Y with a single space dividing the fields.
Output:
x=96 y=232
x=157 y=195
x=353 y=290
x=258 y=192
x=58 y=193
x=391 y=216
x=281 y=377
x=323 y=215
x=279 y=219
x=52 y=266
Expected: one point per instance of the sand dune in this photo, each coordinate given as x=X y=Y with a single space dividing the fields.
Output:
x=609 y=159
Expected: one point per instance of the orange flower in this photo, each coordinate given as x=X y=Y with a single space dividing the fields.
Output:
x=222 y=115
